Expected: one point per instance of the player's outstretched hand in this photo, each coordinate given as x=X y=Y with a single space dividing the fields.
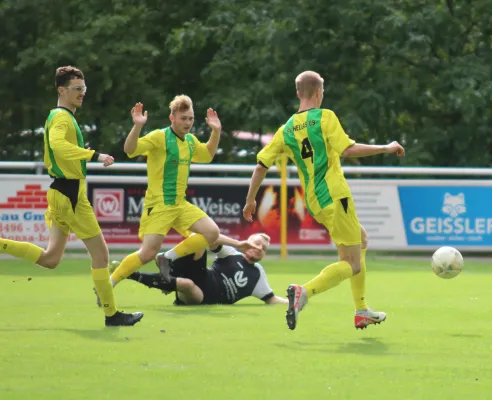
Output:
x=244 y=245
x=213 y=120
x=139 y=118
x=395 y=147
x=106 y=159
x=248 y=210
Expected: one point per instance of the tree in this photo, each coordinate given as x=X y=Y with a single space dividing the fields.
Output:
x=418 y=72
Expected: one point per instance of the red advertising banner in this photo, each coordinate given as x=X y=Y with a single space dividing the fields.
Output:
x=22 y=207
x=118 y=207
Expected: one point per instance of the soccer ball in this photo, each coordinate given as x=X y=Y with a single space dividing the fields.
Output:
x=447 y=262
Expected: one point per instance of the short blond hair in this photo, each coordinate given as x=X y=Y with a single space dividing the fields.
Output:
x=265 y=236
x=307 y=83
x=180 y=103
x=262 y=237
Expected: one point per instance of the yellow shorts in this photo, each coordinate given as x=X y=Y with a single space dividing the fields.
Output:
x=161 y=218
x=60 y=212
x=340 y=218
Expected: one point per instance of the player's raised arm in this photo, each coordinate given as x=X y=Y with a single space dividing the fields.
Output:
x=139 y=119
x=214 y=123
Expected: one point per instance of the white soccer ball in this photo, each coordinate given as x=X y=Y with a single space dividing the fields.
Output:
x=447 y=262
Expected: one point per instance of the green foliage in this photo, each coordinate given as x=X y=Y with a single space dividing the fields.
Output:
x=418 y=72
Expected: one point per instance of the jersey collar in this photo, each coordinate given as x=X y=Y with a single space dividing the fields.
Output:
x=175 y=134
x=309 y=109
x=66 y=109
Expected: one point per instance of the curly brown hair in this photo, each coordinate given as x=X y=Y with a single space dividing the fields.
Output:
x=65 y=74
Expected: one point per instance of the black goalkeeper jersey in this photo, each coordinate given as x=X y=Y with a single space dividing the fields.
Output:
x=229 y=279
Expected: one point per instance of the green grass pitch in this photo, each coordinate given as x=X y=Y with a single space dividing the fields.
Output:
x=435 y=344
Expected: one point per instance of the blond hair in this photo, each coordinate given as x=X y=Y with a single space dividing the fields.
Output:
x=262 y=237
x=180 y=103
x=307 y=83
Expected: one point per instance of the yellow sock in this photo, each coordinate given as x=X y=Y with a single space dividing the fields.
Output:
x=26 y=251
x=330 y=277
x=358 y=284
x=104 y=290
x=190 y=245
x=127 y=267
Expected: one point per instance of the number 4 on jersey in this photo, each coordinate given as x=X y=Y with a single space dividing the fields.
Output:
x=307 y=150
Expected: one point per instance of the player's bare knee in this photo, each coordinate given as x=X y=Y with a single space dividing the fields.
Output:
x=146 y=254
x=98 y=250
x=100 y=259
x=104 y=258
x=49 y=264
x=354 y=263
x=364 y=238
x=185 y=285
x=356 y=268
x=212 y=234
x=48 y=261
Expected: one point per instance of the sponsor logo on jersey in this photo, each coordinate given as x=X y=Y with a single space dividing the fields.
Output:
x=239 y=279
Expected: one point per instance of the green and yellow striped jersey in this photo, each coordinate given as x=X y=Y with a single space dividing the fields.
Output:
x=314 y=141
x=168 y=164
x=64 y=153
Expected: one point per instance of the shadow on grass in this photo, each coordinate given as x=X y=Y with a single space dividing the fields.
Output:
x=248 y=305
x=465 y=335
x=219 y=311
x=367 y=346
x=18 y=269
x=38 y=272
x=106 y=334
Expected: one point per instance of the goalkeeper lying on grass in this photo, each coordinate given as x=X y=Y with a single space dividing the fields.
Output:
x=231 y=277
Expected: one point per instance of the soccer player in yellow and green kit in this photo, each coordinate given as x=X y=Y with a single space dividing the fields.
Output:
x=69 y=209
x=170 y=151
x=314 y=140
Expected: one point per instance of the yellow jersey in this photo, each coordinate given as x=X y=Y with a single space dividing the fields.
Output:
x=64 y=152
x=313 y=140
x=168 y=164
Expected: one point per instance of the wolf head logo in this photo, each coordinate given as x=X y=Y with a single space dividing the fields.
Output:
x=454 y=205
